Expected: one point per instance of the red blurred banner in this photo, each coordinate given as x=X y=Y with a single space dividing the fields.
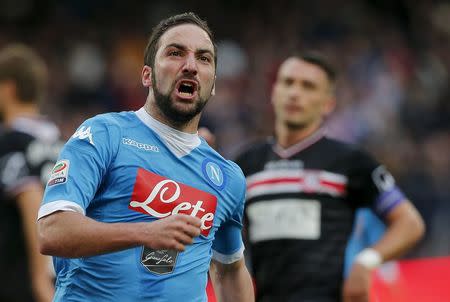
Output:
x=418 y=280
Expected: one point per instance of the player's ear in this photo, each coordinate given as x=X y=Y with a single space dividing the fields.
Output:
x=8 y=91
x=329 y=106
x=213 y=91
x=147 y=76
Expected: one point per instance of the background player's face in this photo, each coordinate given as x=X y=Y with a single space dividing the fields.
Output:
x=184 y=72
x=302 y=94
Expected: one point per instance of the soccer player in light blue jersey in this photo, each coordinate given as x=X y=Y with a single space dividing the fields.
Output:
x=138 y=204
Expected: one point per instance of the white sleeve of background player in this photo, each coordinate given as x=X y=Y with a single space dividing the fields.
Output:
x=81 y=167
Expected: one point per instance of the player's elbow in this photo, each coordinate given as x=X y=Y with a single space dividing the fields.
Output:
x=416 y=226
x=46 y=239
x=420 y=228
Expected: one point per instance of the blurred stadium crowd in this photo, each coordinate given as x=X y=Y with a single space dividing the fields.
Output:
x=393 y=59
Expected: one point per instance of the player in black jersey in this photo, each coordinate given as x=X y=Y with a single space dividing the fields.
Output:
x=302 y=192
x=28 y=149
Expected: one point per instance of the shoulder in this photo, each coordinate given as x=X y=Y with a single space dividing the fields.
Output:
x=344 y=149
x=232 y=173
x=15 y=141
x=235 y=170
x=255 y=147
x=114 y=119
x=354 y=157
x=109 y=124
x=338 y=145
x=101 y=131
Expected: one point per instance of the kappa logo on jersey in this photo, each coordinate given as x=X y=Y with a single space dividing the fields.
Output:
x=161 y=197
x=84 y=133
x=146 y=147
x=60 y=173
x=213 y=173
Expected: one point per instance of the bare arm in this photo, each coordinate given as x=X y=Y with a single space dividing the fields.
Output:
x=232 y=282
x=42 y=284
x=405 y=228
x=72 y=235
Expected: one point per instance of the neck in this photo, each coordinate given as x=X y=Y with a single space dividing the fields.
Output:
x=188 y=127
x=287 y=136
x=10 y=113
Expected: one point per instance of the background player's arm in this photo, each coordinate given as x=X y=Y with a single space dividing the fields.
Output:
x=371 y=182
x=232 y=281
x=404 y=228
x=73 y=235
x=28 y=204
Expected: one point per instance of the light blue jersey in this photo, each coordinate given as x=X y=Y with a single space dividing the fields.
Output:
x=127 y=167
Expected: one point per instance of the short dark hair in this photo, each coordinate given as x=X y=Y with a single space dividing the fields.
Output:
x=320 y=60
x=166 y=24
x=20 y=64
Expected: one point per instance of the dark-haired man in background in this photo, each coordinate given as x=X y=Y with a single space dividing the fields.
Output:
x=302 y=192
x=29 y=146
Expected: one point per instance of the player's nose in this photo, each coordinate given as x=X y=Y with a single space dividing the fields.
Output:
x=294 y=94
x=190 y=65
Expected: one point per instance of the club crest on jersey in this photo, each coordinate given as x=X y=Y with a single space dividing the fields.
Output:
x=213 y=173
x=161 y=197
x=59 y=173
x=83 y=133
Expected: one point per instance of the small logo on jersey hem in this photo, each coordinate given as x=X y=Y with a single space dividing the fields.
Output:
x=142 y=146
x=59 y=173
x=213 y=172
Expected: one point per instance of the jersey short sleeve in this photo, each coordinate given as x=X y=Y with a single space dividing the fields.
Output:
x=28 y=163
x=16 y=173
x=228 y=246
x=83 y=162
x=371 y=185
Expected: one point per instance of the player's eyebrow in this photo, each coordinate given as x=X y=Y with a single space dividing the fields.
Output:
x=184 y=48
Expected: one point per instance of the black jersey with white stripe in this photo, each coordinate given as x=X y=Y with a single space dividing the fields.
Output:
x=28 y=151
x=299 y=213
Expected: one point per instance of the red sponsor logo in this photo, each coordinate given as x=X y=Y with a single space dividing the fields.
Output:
x=161 y=197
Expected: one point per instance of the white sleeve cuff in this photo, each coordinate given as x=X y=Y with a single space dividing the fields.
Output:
x=59 y=205
x=227 y=259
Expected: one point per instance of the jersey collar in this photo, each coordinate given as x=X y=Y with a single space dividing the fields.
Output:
x=301 y=145
x=180 y=143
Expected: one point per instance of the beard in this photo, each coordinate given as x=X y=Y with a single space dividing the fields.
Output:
x=167 y=106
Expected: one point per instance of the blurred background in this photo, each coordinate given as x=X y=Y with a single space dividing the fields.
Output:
x=393 y=59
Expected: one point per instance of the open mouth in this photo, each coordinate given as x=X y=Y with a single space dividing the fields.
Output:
x=186 y=88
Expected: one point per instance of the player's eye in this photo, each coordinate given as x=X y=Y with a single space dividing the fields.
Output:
x=309 y=85
x=204 y=58
x=288 y=82
x=175 y=53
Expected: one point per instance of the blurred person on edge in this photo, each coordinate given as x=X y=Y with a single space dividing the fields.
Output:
x=140 y=204
x=302 y=192
x=29 y=146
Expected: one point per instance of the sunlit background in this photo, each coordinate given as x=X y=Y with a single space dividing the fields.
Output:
x=393 y=59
